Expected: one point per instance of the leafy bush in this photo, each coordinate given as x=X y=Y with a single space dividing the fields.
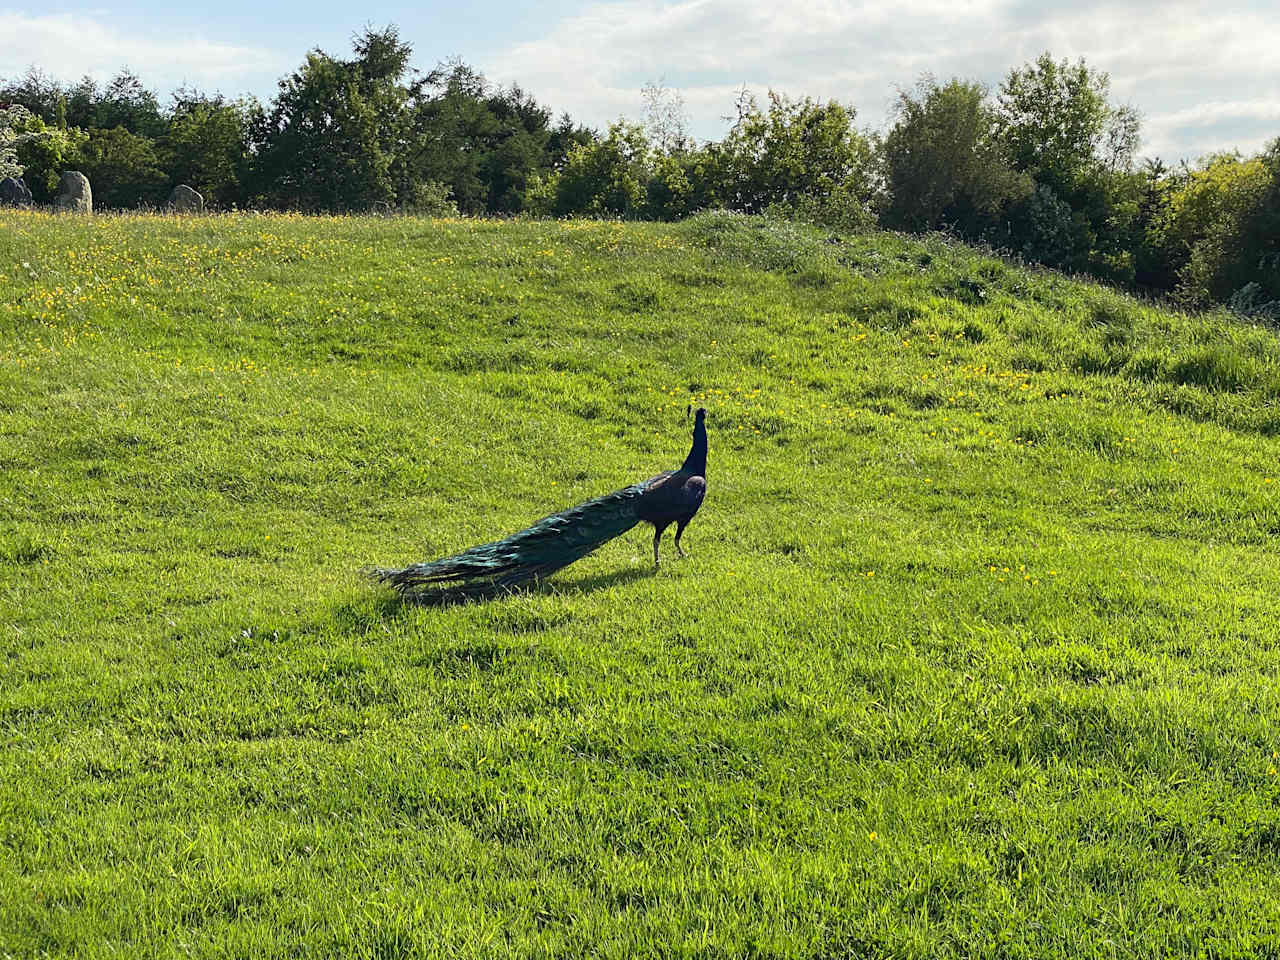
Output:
x=123 y=168
x=10 y=117
x=1251 y=300
x=1223 y=224
x=206 y=145
x=1047 y=228
x=844 y=208
x=669 y=194
x=606 y=178
x=431 y=198
x=800 y=156
x=31 y=149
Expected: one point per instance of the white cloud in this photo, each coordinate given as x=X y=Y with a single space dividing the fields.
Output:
x=1185 y=66
x=67 y=47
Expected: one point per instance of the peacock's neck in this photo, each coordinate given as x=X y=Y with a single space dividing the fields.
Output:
x=696 y=462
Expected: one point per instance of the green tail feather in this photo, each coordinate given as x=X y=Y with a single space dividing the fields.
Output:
x=549 y=545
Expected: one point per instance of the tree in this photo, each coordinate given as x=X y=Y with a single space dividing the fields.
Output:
x=1055 y=124
x=487 y=144
x=36 y=91
x=126 y=102
x=1154 y=269
x=666 y=123
x=516 y=150
x=1221 y=228
x=81 y=101
x=564 y=136
x=122 y=167
x=31 y=149
x=453 y=129
x=943 y=162
x=801 y=155
x=207 y=145
x=10 y=118
x=601 y=179
x=336 y=127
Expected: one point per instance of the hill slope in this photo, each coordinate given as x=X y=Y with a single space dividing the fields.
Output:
x=975 y=653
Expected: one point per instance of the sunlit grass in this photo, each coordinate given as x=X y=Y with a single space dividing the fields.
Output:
x=975 y=653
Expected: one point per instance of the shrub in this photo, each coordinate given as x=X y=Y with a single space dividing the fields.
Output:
x=430 y=198
x=122 y=167
x=669 y=193
x=31 y=149
x=9 y=118
x=1202 y=223
x=605 y=178
x=1047 y=233
x=800 y=156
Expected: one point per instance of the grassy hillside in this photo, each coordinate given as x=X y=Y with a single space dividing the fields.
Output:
x=975 y=653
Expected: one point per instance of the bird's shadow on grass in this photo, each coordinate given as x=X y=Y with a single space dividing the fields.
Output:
x=389 y=603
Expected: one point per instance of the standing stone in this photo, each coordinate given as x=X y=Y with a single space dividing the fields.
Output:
x=185 y=200
x=14 y=192
x=74 y=195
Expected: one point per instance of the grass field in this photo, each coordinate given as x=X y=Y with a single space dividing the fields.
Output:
x=975 y=654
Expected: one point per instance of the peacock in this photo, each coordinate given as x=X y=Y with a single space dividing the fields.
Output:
x=556 y=541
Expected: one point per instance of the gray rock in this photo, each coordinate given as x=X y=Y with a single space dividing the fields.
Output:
x=183 y=199
x=74 y=195
x=14 y=192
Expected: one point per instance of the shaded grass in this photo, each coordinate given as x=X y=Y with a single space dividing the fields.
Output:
x=975 y=654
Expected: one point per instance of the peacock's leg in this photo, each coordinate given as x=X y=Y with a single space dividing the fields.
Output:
x=679 y=533
x=657 y=535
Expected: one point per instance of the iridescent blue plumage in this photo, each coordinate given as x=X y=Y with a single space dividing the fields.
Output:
x=556 y=541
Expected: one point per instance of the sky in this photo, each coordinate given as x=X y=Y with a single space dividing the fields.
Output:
x=1204 y=76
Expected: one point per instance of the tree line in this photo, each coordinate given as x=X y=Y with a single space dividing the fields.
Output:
x=1044 y=166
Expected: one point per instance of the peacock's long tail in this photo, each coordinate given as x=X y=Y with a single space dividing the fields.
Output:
x=549 y=545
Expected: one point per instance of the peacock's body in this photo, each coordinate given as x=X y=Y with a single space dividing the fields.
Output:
x=556 y=541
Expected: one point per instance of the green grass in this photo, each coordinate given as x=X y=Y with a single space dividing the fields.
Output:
x=975 y=654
